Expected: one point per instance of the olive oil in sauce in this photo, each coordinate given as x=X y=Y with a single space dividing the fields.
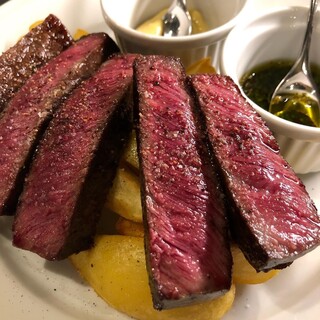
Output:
x=298 y=108
x=260 y=83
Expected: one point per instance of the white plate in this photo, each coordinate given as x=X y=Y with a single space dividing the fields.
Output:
x=33 y=289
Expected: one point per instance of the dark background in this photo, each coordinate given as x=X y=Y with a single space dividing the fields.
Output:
x=3 y=1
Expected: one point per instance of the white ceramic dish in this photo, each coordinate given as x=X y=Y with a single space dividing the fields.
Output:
x=33 y=289
x=276 y=34
x=220 y=17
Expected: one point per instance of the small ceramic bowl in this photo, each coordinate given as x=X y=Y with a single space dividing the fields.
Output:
x=276 y=34
x=123 y=16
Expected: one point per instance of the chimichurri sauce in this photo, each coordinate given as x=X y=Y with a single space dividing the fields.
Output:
x=260 y=82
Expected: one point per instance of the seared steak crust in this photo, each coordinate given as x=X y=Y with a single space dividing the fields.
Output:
x=28 y=113
x=75 y=164
x=188 y=254
x=273 y=218
x=37 y=47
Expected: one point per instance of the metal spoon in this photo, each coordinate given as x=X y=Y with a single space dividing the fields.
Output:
x=177 y=20
x=296 y=98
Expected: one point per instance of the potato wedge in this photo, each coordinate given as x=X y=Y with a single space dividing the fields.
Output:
x=130 y=155
x=115 y=267
x=35 y=24
x=124 y=196
x=129 y=228
x=79 y=33
x=201 y=66
x=244 y=273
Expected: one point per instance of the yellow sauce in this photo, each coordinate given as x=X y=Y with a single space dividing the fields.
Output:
x=153 y=26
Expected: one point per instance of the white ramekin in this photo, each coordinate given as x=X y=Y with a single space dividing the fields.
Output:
x=123 y=16
x=276 y=34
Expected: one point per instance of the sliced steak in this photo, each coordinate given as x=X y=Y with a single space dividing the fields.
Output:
x=75 y=164
x=37 y=47
x=23 y=121
x=273 y=219
x=188 y=254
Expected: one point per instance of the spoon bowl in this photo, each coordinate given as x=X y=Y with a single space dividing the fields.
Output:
x=296 y=98
x=177 y=20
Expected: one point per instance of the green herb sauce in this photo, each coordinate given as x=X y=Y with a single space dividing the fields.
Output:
x=260 y=82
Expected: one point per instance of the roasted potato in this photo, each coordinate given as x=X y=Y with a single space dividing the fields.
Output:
x=244 y=273
x=129 y=228
x=35 y=24
x=202 y=66
x=130 y=155
x=124 y=196
x=79 y=34
x=115 y=267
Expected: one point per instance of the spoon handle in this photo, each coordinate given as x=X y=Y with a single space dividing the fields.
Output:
x=304 y=55
x=183 y=3
x=180 y=3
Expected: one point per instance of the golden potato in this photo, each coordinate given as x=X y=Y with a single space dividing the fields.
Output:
x=129 y=228
x=130 y=155
x=124 y=196
x=202 y=66
x=35 y=24
x=115 y=267
x=244 y=273
x=79 y=33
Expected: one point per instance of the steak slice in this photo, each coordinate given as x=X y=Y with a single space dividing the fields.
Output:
x=187 y=245
x=273 y=218
x=75 y=164
x=24 y=120
x=37 y=47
